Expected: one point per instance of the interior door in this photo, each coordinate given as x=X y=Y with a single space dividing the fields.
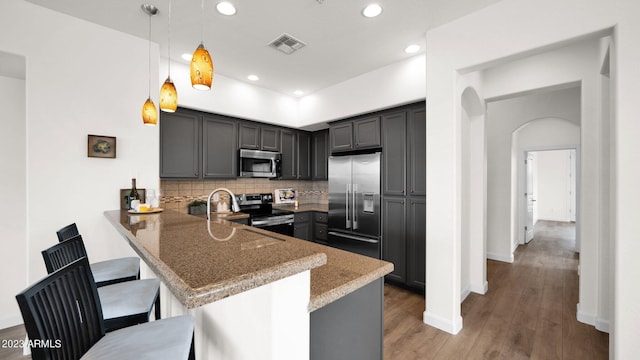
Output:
x=528 y=230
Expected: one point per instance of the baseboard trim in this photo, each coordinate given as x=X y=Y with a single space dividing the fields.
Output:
x=480 y=289
x=10 y=321
x=438 y=322
x=602 y=325
x=584 y=317
x=499 y=257
x=465 y=292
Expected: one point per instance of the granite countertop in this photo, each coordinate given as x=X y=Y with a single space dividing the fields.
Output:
x=179 y=249
x=204 y=261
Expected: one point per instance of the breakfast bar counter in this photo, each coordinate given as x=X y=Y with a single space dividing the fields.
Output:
x=240 y=281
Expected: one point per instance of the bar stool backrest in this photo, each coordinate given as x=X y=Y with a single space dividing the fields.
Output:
x=63 y=313
x=67 y=232
x=64 y=253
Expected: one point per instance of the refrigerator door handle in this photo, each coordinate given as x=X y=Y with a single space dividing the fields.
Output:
x=346 y=205
x=354 y=206
x=353 y=237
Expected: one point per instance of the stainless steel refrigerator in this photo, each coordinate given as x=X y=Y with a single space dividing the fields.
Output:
x=354 y=203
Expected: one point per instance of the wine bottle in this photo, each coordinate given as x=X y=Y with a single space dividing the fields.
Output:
x=133 y=195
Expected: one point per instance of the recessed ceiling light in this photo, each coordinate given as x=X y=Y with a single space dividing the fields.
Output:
x=412 y=49
x=372 y=10
x=226 y=8
x=186 y=57
x=298 y=93
x=253 y=77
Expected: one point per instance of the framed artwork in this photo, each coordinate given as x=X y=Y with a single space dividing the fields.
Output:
x=101 y=146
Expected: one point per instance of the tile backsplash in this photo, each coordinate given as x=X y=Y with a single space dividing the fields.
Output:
x=177 y=194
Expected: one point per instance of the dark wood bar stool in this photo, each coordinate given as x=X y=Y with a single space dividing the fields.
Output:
x=62 y=313
x=123 y=304
x=110 y=271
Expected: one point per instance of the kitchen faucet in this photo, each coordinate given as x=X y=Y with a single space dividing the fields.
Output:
x=234 y=203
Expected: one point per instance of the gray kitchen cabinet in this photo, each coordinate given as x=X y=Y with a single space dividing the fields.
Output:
x=403 y=190
x=219 y=147
x=258 y=137
x=320 y=227
x=302 y=226
x=351 y=327
x=303 y=155
x=416 y=242
x=366 y=133
x=394 y=154
x=320 y=155
x=417 y=157
x=358 y=134
x=270 y=138
x=249 y=136
x=341 y=137
x=394 y=236
x=180 y=145
x=288 y=149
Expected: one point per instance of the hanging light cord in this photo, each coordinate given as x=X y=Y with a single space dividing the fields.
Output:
x=202 y=22
x=169 y=45
x=149 y=56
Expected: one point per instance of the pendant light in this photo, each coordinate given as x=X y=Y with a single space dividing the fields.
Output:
x=168 y=93
x=201 y=63
x=149 y=111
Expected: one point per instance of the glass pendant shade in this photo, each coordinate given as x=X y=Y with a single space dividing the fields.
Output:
x=149 y=113
x=168 y=96
x=201 y=69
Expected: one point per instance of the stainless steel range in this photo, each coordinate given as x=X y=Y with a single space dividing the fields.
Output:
x=263 y=215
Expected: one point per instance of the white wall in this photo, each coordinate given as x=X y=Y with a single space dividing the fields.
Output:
x=554 y=183
x=234 y=98
x=504 y=117
x=396 y=84
x=77 y=83
x=13 y=197
x=478 y=40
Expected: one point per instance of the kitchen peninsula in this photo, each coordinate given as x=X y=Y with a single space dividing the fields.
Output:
x=257 y=294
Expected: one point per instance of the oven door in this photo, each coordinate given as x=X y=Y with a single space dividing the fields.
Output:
x=284 y=226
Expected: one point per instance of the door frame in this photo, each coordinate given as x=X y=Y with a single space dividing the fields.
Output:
x=522 y=184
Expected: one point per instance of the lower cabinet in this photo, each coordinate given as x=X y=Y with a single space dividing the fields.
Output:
x=311 y=226
x=351 y=327
x=403 y=239
x=320 y=227
x=302 y=226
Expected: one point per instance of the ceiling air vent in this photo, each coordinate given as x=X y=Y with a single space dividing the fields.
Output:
x=287 y=44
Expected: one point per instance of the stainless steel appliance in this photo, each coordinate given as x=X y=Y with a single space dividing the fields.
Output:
x=263 y=215
x=354 y=203
x=259 y=163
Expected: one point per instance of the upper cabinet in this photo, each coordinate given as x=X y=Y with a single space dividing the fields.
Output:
x=199 y=145
x=358 y=134
x=180 y=145
x=258 y=137
x=295 y=147
x=195 y=145
x=404 y=155
x=219 y=147
x=320 y=155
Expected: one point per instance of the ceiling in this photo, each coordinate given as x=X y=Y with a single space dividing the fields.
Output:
x=340 y=42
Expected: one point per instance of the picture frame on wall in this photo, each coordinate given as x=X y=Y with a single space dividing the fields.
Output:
x=101 y=146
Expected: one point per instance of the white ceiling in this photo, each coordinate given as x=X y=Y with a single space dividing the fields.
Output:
x=341 y=43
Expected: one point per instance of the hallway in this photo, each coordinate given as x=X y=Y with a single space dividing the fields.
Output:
x=529 y=311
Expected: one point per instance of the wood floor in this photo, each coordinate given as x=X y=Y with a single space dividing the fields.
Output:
x=529 y=311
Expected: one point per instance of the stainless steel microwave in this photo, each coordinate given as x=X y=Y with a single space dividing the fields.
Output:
x=259 y=163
